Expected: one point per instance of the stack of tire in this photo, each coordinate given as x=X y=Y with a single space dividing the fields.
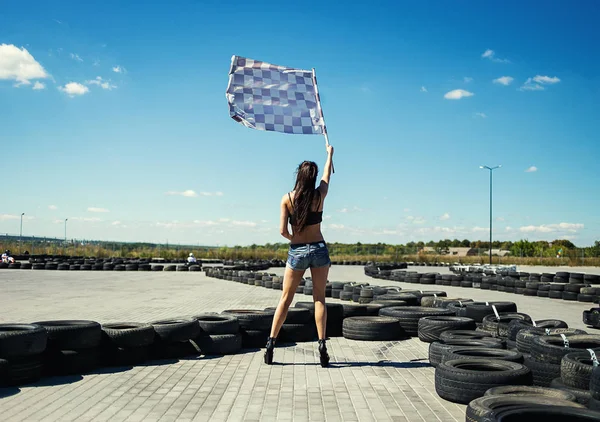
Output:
x=299 y=325
x=409 y=316
x=255 y=326
x=547 y=352
x=372 y=328
x=21 y=352
x=335 y=316
x=73 y=346
x=517 y=325
x=461 y=338
x=498 y=325
x=219 y=334
x=126 y=343
x=173 y=337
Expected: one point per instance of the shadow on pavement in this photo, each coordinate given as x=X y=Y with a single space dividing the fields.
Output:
x=8 y=391
x=380 y=364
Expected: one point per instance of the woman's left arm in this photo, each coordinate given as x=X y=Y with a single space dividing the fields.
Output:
x=283 y=221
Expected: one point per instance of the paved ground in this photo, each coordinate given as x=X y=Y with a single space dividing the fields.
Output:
x=367 y=380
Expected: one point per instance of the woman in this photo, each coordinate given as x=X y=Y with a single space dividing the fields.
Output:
x=303 y=208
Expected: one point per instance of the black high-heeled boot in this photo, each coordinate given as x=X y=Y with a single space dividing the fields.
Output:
x=269 y=352
x=323 y=352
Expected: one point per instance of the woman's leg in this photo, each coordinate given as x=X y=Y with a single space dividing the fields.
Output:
x=291 y=280
x=319 y=279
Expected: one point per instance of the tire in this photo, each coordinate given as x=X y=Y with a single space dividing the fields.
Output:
x=569 y=296
x=251 y=319
x=213 y=324
x=551 y=349
x=72 y=335
x=479 y=310
x=437 y=349
x=389 y=303
x=335 y=293
x=595 y=383
x=20 y=340
x=484 y=407
x=585 y=298
x=219 y=344
x=463 y=334
x=172 y=350
x=576 y=370
x=345 y=295
x=195 y=268
x=461 y=352
x=543 y=413
x=354 y=310
x=531 y=390
x=463 y=380
x=543 y=373
x=499 y=327
x=144 y=267
x=129 y=334
x=176 y=330
x=582 y=396
x=430 y=328
x=375 y=328
x=295 y=315
x=23 y=371
x=170 y=268
x=517 y=325
x=525 y=336
x=183 y=268
x=296 y=333
x=71 y=362
x=158 y=267
x=409 y=316
x=125 y=356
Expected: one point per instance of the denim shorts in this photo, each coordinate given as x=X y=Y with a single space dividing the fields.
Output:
x=302 y=256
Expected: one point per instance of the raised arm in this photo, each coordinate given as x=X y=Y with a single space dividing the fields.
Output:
x=283 y=219
x=324 y=186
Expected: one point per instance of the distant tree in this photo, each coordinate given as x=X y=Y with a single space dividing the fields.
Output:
x=465 y=243
x=522 y=248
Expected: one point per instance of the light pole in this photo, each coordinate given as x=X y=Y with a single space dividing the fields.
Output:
x=491 y=169
x=66 y=230
x=21 y=234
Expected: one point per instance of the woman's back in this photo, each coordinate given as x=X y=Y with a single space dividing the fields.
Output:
x=312 y=230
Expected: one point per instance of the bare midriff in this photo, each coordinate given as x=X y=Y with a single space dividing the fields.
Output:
x=310 y=234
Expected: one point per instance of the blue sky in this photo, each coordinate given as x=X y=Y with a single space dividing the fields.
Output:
x=113 y=115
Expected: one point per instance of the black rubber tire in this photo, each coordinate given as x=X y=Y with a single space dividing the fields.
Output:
x=525 y=336
x=461 y=352
x=483 y=407
x=252 y=319
x=409 y=316
x=253 y=339
x=173 y=350
x=430 y=328
x=463 y=334
x=372 y=328
x=213 y=324
x=479 y=310
x=219 y=344
x=517 y=325
x=129 y=334
x=543 y=413
x=176 y=330
x=72 y=335
x=118 y=356
x=295 y=315
x=463 y=380
x=389 y=303
x=569 y=296
x=335 y=293
x=23 y=371
x=351 y=310
x=158 y=267
x=169 y=268
x=576 y=370
x=595 y=383
x=583 y=395
x=20 y=340
x=195 y=268
x=343 y=295
x=44 y=267
x=499 y=327
x=551 y=349
x=437 y=349
x=543 y=373
x=296 y=333
x=531 y=390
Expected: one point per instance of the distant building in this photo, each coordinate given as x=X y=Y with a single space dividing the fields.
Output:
x=462 y=251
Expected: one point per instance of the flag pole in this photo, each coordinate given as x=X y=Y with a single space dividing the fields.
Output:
x=314 y=77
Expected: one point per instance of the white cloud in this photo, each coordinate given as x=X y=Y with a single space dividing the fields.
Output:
x=17 y=64
x=423 y=89
x=344 y=210
x=482 y=115
x=118 y=69
x=406 y=209
x=187 y=193
x=115 y=223
x=84 y=219
x=74 y=88
x=477 y=229
x=457 y=94
x=499 y=218
x=39 y=85
x=508 y=229
x=4 y=217
x=96 y=209
x=52 y=207
x=504 y=80
x=546 y=79
x=550 y=228
x=244 y=223
x=326 y=217
x=415 y=220
x=531 y=169
x=467 y=79
x=491 y=55
x=76 y=57
x=104 y=84
x=354 y=209
x=96 y=63
x=210 y=193
x=335 y=226
x=445 y=217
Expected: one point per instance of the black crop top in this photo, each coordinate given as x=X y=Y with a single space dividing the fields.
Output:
x=314 y=217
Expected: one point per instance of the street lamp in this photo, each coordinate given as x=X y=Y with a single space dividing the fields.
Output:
x=491 y=169
x=21 y=234
x=66 y=230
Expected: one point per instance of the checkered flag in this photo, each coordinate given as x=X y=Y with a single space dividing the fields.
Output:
x=275 y=98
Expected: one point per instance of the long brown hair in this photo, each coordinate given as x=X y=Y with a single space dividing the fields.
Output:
x=306 y=180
